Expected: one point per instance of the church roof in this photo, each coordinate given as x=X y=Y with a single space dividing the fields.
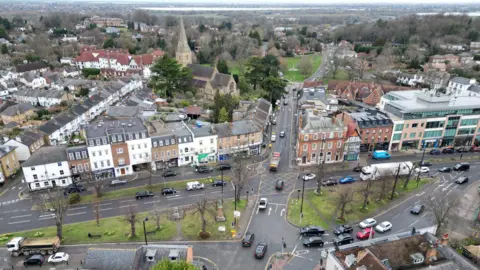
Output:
x=201 y=71
x=220 y=80
x=182 y=46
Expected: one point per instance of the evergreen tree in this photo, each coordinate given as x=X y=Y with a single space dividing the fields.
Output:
x=222 y=66
x=223 y=115
x=169 y=77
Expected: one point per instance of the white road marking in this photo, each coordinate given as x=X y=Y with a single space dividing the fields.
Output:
x=281 y=212
x=76 y=208
x=435 y=174
x=16 y=222
x=258 y=208
x=420 y=194
x=174 y=198
x=407 y=209
x=76 y=214
x=123 y=206
x=396 y=216
x=105 y=209
x=437 y=187
x=196 y=195
x=425 y=214
x=448 y=192
x=433 y=198
x=216 y=191
x=417 y=202
x=103 y=204
x=413 y=223
x=132 y=200
x=276 y=208
x=293 y=251
x=151 y=202
x=45 y=218
x=21 y=216
x=269 y=210
x=445 y=188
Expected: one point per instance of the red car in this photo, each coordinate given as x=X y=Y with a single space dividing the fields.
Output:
x=365 y=233
x=475 y=149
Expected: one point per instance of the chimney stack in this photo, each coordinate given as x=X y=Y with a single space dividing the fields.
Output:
x=444 y=240
x=432 y=252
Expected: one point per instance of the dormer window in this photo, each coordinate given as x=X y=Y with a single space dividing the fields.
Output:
x=305 y=138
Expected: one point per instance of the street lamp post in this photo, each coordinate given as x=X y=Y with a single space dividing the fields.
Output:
x=145 y=231
x=303 y=192
x=247 y=196
x=235 y=196
x=298 y=198
x=222 y=183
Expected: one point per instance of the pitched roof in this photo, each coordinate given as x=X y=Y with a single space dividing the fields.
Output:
x=106 y=259
x=461 y=80
x=5 y=149
x=30 y=66
x=49 y=127
x=310 y=84
x=127 y=111
x=182 y=46
x=194 y=110
x=198 y=83
x=201 y=71
x=17 y=109
x=47 y=155
x=221 y=80
x=29 y=137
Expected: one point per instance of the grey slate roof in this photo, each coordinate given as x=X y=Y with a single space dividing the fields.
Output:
x=220 y=80
x=47 y=155
x=97 y=130
x=49 y=127
x=5 y=149
x=198 y=83
x=474 y=88
x=110 y=259
x=203 y=131
x=30 y=66
x=17 y=109
x=127 y=111
x=201 y=71
x=28 y=137
x=461 y=80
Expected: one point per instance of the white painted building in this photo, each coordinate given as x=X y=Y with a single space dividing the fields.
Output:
x=186 y=145
x=138 y=142
x=205 y=144
x=461 y=86
x=99 y=151
x=47 y=168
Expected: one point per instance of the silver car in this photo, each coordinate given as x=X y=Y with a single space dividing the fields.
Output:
x=118 y=182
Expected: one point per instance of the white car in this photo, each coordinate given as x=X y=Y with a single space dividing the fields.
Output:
x=367 y=223
x=273 y=138
x=309 y=176
x=422 y=170
x=383 y=227
x=263 y=203
x=59 y=257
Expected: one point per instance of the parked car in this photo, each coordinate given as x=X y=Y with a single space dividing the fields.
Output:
x=169 y=173
x=313 y=241
x=282 y=134
x=464 y=166
x=448 y=151
x=367 y=223
x=285 y=102
x=357 y=169
x=343 y=229
x=475 y=149
x=73 y=189
x=329 y=182
x=461 y=150
x=342 y=239
x=273 y=138
x=309 y=176
x=247 y=241
x=279 y=185
x=435 y=152
x=34 y=260
x=365 y=233
x=59 y=257
x=384 y=226
x=445 y=169
x=204 y=169
x=417 y=209
x=167 y=191
x=219 y=183
x=312 y=231
x=422 y=170
x=195 y=185
x=347 y=180
x=118 y=182
x=262 y=204
x=380 y=154
x=224 y=166
x=260 y=250
x=424 y=164
x=462 y=180
x=143 y=194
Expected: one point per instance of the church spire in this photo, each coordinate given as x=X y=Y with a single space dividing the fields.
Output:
x=183 y=54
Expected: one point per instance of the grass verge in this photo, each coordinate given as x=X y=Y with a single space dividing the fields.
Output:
x=292 y=63
x=341 y=75
x=324 y=211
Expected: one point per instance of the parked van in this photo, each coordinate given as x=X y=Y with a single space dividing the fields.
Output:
x=381 y=154
x=464 y=166
x=195 y=185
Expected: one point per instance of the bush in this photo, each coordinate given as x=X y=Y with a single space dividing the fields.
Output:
x=38 y=234
x=204 y=235
x=109 y=233
x=73 y=198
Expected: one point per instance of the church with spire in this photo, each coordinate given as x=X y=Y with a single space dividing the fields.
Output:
x=206 y=80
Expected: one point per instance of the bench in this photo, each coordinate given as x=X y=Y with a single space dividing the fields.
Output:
x=152 y=232
x=94 y=235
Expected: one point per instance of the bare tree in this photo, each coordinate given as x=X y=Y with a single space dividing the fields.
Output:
x=344 y=199
x=156 y=213
x=305 y=66
x=441 y=208
x=54 y=201
x=383 y=186
x=239 y=175
x=366 y=189
x=336 y=62
x=409 y=175
x=320 y=175
x=131 y=217
x=202 y=207
x=360 y=65
x=385 y=60
x=96 y=210
x=97 y=184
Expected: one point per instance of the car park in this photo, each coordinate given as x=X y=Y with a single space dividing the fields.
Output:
x=342 y=239
x=279 y=185
x=343 y=229
x=167 y=191
x=247 y=241
x=448 y=151
x=219 y=183
x=118 y=182
x=309 y=176
x=417 y=209
x=59 y=257
x=383 y=227
x=329 y=182
x=367 y=223
x=461 y=180
x=445 y=169
x=435 y=152
x=282 y=134
x=34 y=260
x=312 y=231
x=260 y=250
x=347 y=180
x=313 y=241
x=224 y=166
x=143 y=194
x=422 y=170
x=169 y=173
x=204 y=169
x=464 y=166
x=365 y=233
x=262 y=204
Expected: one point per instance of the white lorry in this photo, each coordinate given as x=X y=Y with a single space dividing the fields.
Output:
x=26 y=246
x=195 y=185
x=375 y=171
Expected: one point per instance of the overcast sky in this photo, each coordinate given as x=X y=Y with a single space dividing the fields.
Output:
x=329 y=2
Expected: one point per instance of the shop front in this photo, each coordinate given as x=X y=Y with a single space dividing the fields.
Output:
x=465 y=141
x=431 y=143
x=447 y=141
x=104 y=174
x=410 y=145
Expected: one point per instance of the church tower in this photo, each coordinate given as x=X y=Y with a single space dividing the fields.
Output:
x=183 y=54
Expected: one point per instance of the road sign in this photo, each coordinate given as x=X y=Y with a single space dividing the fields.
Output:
x=236 y=214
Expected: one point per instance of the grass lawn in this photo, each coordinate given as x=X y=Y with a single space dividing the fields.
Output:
x=327 y=209
x=292 y=62
x=112 y=229
x=155 y=188
x=342 y=75
x=191 y=225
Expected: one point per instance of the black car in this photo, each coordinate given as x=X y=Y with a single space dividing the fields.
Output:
x=329 y=182
x=143 y=194
x=357 y=169
x=342 y=239
x=312 y=231
x=461 y=180
x=462 y=150
x=417 y=209
x=260 y=250
x=445 y=169
x=167 y=191
x=224 y=166
x=248 y=239
x=34 y=260
x=313 y=241
x=435 y=152
x=73 y=189
x=464 y=166
x=343 y=229
x=204 y=169
x=448 y=151
x=424 y=164
x=218 y=183
x=279 y=185
x=168 y=173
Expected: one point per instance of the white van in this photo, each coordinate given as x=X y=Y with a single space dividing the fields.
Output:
x=273 y=138
x=195 y=185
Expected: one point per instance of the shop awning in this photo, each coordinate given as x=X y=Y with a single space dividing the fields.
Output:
x=202 y=156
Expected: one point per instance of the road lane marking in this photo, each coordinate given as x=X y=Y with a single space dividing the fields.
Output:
x=432 y=198
x=413 y=223
x=105 y=209
x=417 y=202
x=437 y=188
x=195 y=195
x=151 y=202
x=269 y=210
x=281 y=212
x=45 y=218
x=216 y=191
x=396 y=215
x=420 y=194
x=174 y=198
x=132 y=200
x=448 y=192
x=76 y=208
x=76 y=214
x=123 y=206
x=21 y=216
x=16 y=222
x=445 y=188
x=276 y=208
x=103 y=204
x=425 y=214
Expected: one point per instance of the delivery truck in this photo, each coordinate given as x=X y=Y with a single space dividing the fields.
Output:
x=380 y=170
x=27 y=246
